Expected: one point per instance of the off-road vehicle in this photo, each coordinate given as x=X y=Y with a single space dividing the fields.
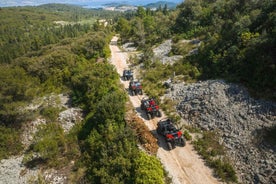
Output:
x=127 y=75
x=150 y=107
x=173 y=136
x=135 y=88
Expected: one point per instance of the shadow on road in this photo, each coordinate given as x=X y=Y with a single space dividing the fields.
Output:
x=160 y=140
x=141 y=113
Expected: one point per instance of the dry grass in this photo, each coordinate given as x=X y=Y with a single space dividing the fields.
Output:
x=144 y=135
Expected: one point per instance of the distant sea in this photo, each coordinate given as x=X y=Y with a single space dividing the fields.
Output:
x=83 y=3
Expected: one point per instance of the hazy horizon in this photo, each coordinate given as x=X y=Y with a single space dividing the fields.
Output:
x=84 y=3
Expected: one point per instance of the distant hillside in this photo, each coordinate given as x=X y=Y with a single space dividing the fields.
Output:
x=170 y=5
x=56 y=7
x=83 y=3
x=114 y=4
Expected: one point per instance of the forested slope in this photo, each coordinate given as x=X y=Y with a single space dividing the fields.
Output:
x=40 y=58
x=56 y=49
x=237 y=40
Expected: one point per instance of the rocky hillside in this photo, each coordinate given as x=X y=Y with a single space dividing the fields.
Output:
x=14 y=171
x=240 y=120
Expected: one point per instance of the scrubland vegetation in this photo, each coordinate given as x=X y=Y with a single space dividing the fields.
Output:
x=40 y=57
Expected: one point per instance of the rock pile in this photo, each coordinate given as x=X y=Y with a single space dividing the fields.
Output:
x=13 y=171
x=69 y=117
x=162 y=53
x=129 y=47
x=240 y=120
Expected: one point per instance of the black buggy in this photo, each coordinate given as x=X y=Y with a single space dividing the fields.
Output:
x=172 y=135
x=127 y=75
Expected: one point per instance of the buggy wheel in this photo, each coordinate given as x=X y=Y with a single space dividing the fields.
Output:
x=169 y=145
x=149 y=116
x=173 y=145
x=182 y=142
x=158 y=114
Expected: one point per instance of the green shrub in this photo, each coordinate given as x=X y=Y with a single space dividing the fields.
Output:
x=168 y=106
x=148 y=170
x=193 y=129
x=182 y=48
x=50 y=113
x=187 y=135
x=10 y=143
x=49 y=146
x=17 y=89
x=224 y=170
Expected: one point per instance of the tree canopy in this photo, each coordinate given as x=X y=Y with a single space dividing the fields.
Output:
x=238 y=41
x=40 y=57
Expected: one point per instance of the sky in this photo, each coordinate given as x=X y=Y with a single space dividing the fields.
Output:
x=6 y=3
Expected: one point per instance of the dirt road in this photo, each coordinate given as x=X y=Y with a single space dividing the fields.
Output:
x=182 y=163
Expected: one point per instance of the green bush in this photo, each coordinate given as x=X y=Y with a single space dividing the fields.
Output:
x=10 y=142
x=50 y=113
x=16 y=89
x=148 y=170
x=49 y=146
x=182 y=48
x=187 y=135
x=154 y=76
x=168 y=105
x=224 y=170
